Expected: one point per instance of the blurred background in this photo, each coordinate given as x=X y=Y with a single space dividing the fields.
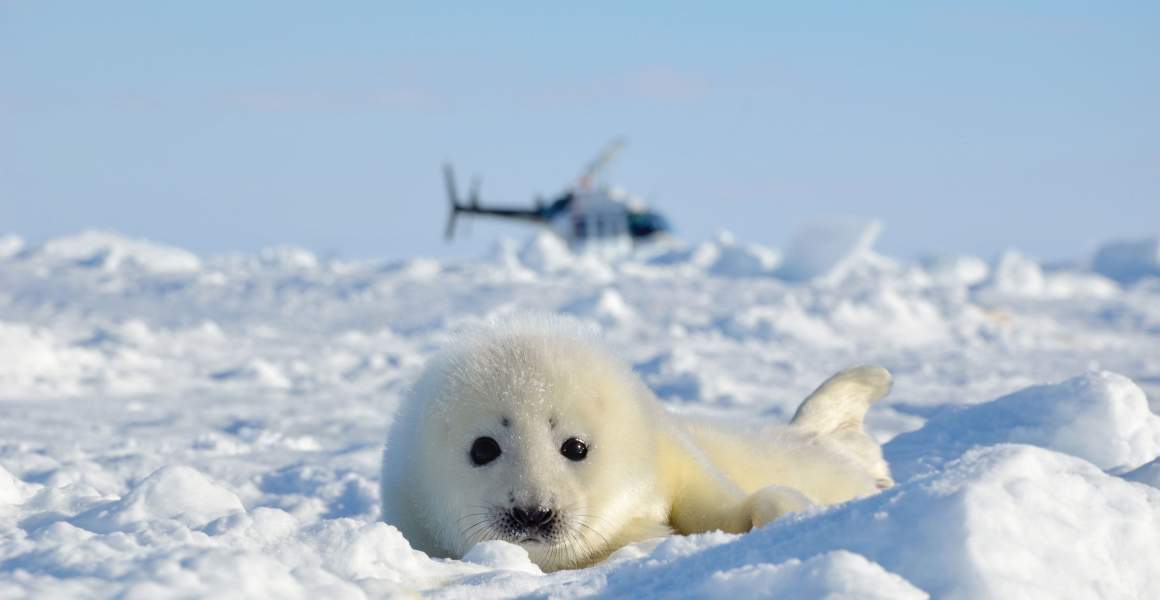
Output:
x=230 y=126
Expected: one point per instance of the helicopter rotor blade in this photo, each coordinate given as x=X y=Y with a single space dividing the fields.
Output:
x=449 y=181
x=600 y=163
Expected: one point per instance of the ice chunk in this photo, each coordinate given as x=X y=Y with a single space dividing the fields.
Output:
x=10 y=245
x=174 y=492
x=415 y=268
x=1128 y=261
x=956 y=270
x=110 y=251
x=35 y=360
x=608 y=307
x=1100 y=417
x=1018 y=275
x=289 y=258
x=358 y=550
x=789 y=321
x=828 y=248
x=742 y=260
x=702 y=256
x=505 y=253
x=499 y=554
x=12 y=490
x=890 y=315
x=545 y=253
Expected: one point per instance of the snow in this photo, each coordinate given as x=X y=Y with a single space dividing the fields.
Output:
x=499 y=554
x=1101 y=417
x=606 y=307
x=956 y=270
x=836 y=574
x=10 y=244
x=12 y=490
x=1000 y=522
x=109 y=251
x=172 y=492
x=174 y=425
x=547 y=253
x=734 y=259
x=1018 y=275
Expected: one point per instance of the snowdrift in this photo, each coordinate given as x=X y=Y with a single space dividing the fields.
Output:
x=1100 y=417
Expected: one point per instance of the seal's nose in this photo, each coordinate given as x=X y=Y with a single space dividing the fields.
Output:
x=533 y=516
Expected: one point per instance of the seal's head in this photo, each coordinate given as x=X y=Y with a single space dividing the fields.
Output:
x=530 y=434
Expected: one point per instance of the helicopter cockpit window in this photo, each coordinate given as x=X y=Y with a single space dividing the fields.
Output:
x=561 y=204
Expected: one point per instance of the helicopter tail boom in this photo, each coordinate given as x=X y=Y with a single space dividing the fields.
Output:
x=472 y=206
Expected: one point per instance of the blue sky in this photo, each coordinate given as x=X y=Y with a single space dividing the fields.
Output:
x=227 y=126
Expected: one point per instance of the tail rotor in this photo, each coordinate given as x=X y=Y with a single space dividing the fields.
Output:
x=453 y=199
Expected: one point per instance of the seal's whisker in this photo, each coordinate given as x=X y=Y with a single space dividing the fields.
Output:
x=477 y=524
x=594 y=530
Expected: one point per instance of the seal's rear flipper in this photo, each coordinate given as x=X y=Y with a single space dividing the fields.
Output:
x=833 y=414
x=842 y=401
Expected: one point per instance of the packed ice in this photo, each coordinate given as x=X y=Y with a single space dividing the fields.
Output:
x=175 y=425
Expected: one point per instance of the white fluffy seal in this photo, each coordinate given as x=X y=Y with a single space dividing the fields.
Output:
x=533 y=434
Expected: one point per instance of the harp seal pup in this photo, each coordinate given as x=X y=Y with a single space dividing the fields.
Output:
x=532 y=433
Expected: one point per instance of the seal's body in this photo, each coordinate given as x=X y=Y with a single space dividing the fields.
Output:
x=533 y=434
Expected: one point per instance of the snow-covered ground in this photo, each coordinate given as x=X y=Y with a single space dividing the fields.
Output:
x=176 y=425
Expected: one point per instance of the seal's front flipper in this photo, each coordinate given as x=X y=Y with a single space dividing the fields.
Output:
x=842 y=401
x=774 y=501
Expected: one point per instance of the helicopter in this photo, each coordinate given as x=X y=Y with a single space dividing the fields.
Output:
x=587 y=215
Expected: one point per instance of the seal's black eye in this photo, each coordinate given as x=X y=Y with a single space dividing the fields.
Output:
x=484 y=450
x=574 y=449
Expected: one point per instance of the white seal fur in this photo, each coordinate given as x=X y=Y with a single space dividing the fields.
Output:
x=540 y=385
